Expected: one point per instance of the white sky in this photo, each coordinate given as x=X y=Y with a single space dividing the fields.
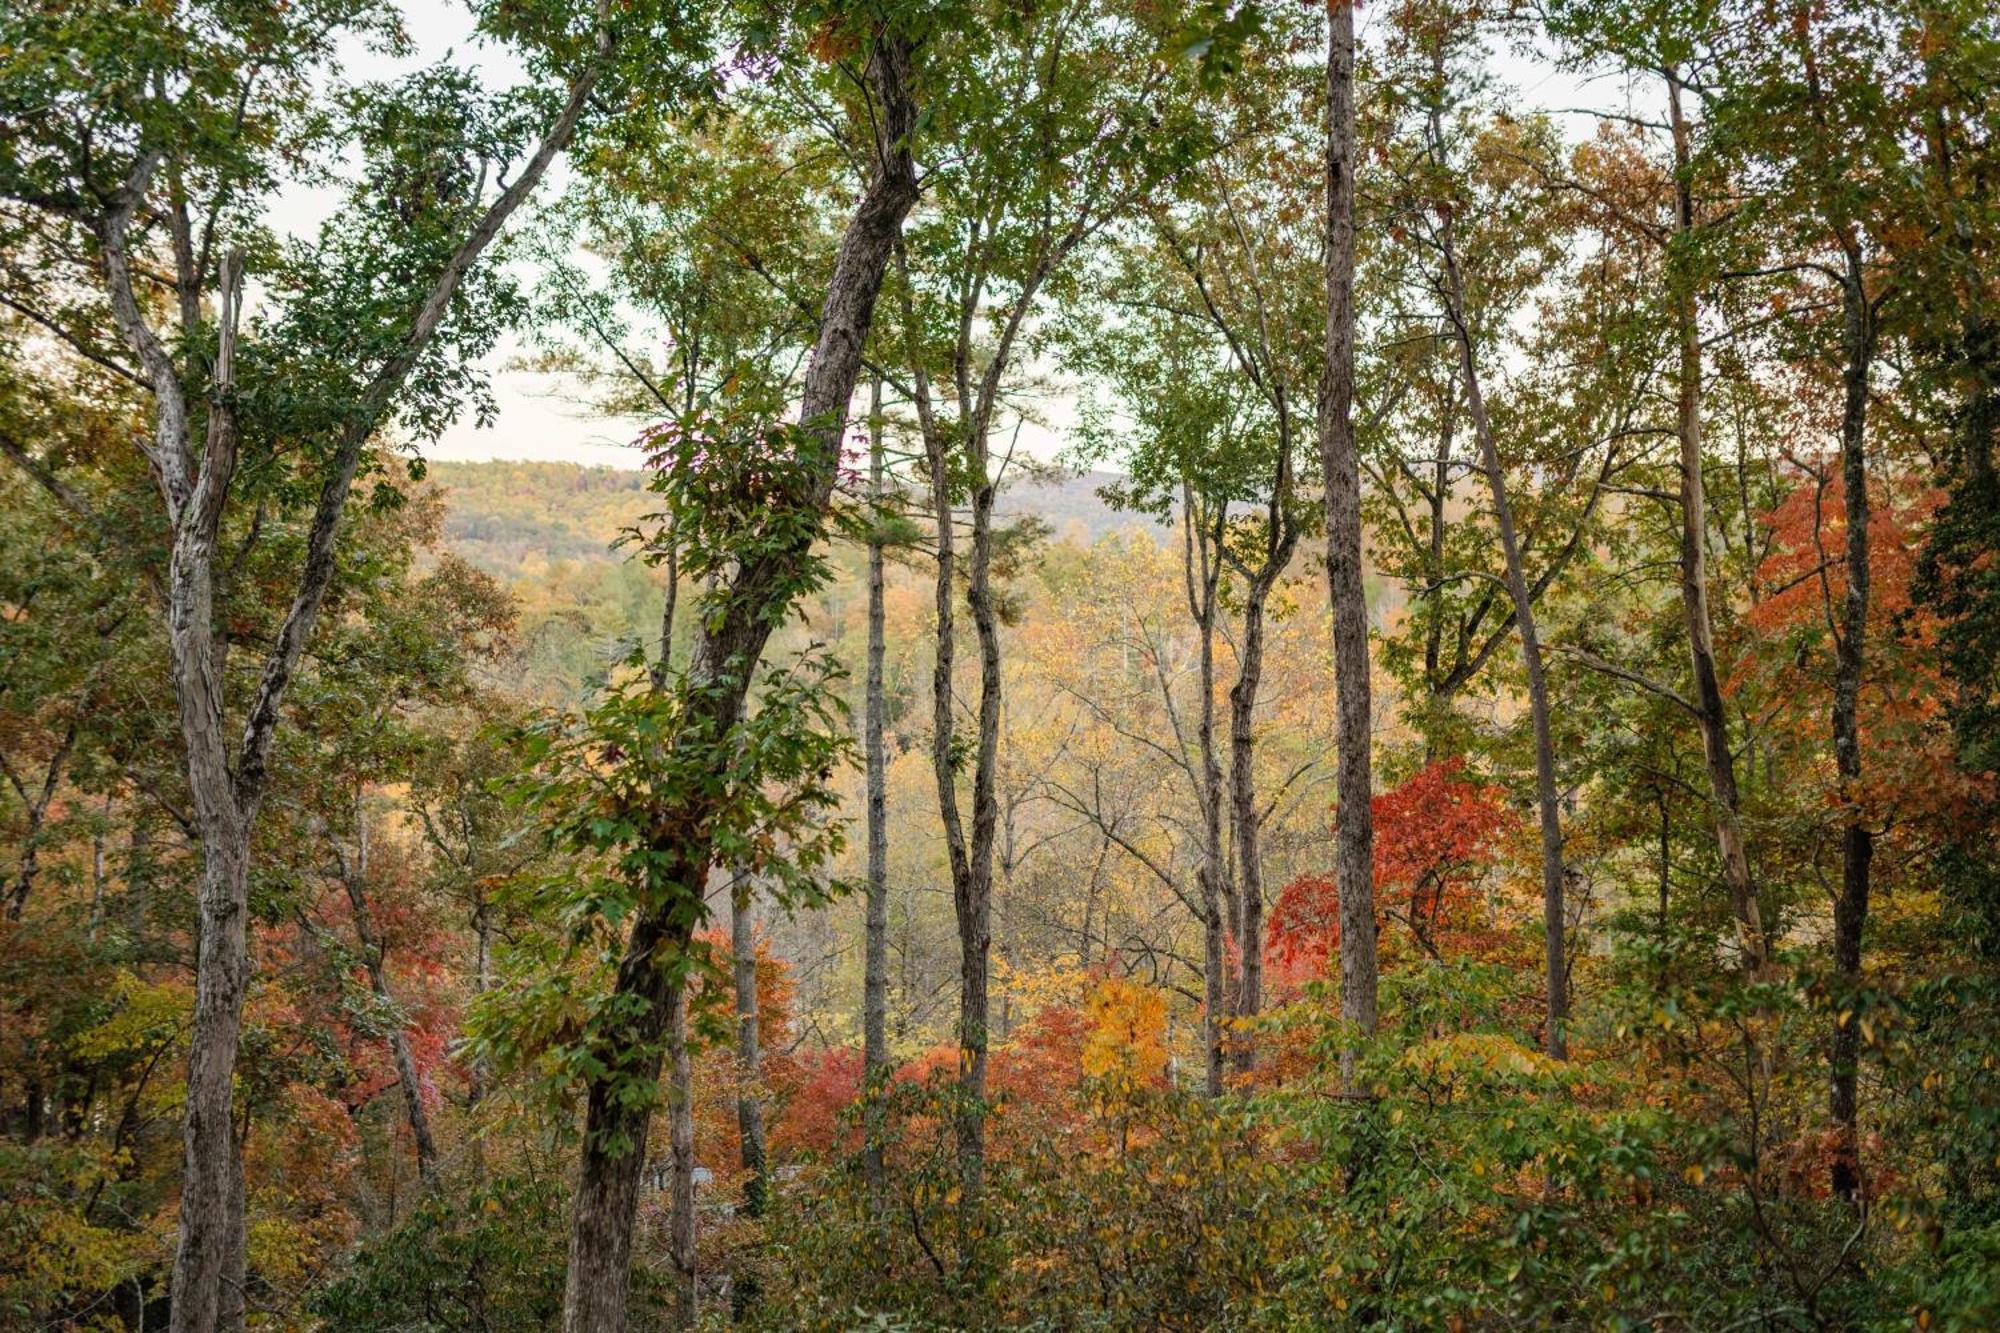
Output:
x=542 y=418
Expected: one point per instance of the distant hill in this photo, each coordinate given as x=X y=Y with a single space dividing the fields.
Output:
x=1072 y=507
x=506 y=516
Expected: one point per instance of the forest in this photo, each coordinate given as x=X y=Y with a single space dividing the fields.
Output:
x=1260 y=666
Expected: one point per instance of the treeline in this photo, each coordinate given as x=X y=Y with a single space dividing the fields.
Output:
x=1520 y=852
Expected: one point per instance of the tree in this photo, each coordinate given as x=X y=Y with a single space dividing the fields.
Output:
x=1204 y=355
x=1439 y=219
x=1665 y=52
x=1822 y=121
x=1008 y=212
x=204 y=98
x=1439 y=836
x=1340 y=475
x=758 y=546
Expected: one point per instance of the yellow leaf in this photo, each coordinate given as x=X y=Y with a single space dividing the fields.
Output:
x=1126 y=1045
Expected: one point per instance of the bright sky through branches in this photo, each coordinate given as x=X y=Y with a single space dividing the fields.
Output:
x=543 y=418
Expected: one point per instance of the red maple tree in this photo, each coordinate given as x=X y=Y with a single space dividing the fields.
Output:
x=1436 y=837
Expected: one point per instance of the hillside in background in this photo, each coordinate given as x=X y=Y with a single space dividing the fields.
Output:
x=521 y=517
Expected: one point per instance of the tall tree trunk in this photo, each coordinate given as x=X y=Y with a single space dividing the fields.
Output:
x=1340 y=461
x=1201 y=537
x=749 y=1058
x=615 y=1132
x=1857 y=842
x=210 y=1261
x=1710 y=711
x=971 y=857
x=353 y=877
x=482 y=982
x=685 y=1307
x=1281 y=537
x=209 y=1266
x=1436 y=500
x=976 y=926
x=1554 y=1039
x=719 y=670
x=479 y=1075
x=875 y=984
x=1249 y=819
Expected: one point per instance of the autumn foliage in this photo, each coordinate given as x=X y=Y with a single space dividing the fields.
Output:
x=1438 y=837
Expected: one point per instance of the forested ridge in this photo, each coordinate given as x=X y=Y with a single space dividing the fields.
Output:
x=1256 y=671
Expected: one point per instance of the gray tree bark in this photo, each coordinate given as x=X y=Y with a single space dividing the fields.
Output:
x=1554 y=1039
x=749 y=1058
x=1857 y=840
x=1201 y=542
x=1710 y=711
x=209 y=1264
x=875 y=984
x=1340 y=459
x=1281 y=539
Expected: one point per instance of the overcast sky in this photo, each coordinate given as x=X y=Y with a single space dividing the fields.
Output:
x=542 y=418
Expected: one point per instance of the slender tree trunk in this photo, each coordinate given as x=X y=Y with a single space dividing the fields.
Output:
x=1554 y=1039
x=985 y=804
x=615 y=1134
x=37 y=804
x=1282 y=539
x=479 y=1075
x=1248 y=818
x=875 y=985
x=1440 y=493
x=967 y=910
x=482 y=982
x=1857 y=843
x=680 y=1140
x=1201 y=539
x=749 y=1058
x=353 y=878
x=971 y=859
x=1340 y=459
x=1710 y=710
x=976 y=919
